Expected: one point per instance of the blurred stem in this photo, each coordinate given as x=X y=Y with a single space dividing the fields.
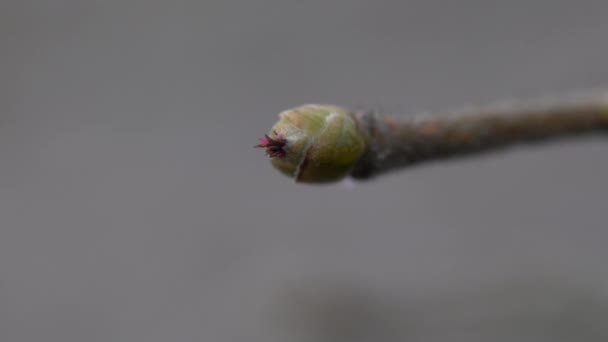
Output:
x=396 y=143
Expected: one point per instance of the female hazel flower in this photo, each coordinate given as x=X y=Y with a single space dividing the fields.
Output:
x=314 y=143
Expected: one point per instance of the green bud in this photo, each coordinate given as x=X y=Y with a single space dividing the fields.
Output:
x=314 y=143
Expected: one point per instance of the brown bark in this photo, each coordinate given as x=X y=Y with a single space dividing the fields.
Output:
x=394 y=143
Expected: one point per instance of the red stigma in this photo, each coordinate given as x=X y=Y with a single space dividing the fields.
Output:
x=274 y=146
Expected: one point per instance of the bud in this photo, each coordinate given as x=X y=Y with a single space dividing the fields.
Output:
x=314 y=143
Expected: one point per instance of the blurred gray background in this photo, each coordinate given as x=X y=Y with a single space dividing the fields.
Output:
x=133 y=208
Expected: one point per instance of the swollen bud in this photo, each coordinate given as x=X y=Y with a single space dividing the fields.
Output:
x=314 y=143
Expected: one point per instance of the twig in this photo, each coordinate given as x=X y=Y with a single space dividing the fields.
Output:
x=322 y=143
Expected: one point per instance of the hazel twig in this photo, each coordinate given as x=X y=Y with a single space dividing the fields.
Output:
x=325 y=143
